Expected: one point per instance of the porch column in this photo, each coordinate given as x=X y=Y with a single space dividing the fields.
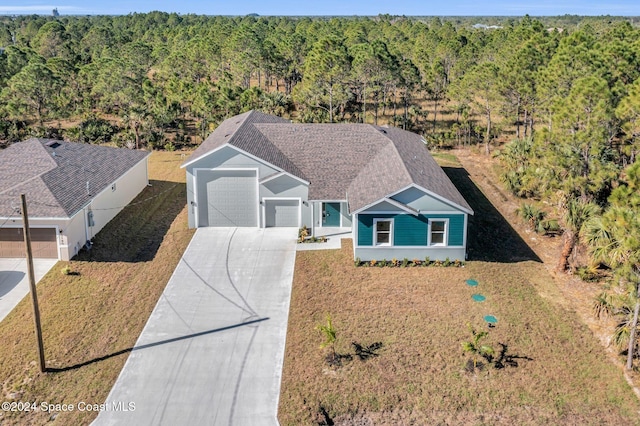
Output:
x=313 y=219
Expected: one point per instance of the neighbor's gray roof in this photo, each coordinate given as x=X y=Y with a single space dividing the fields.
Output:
x=360 y=162
x=54 y=174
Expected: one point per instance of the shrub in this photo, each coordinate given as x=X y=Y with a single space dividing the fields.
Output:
x=531 y=214
x=66 y=270
x=405 y=262
x=93 y=130
x=427 y=261
x=372 y=262
x=383 y=263
x=303 y=233
x=549 y=227
x=395 y=262
x=589 y=273
x=416 y=262
x=357 y=262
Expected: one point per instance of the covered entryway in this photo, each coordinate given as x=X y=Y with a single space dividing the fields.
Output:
x=282 y=213
x=227 y=197
x=44 y=243
x=331 y=214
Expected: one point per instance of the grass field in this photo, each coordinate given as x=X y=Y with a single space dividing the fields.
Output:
x=92 y=319
x=558 y=374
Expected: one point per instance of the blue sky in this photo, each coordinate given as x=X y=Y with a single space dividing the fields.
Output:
x=329 y=7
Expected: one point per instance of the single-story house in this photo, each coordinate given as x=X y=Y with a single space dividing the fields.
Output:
x=379 y=183
x=72 y=190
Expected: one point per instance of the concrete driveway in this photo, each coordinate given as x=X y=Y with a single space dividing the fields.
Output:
x=213 y=348
x=14 y=282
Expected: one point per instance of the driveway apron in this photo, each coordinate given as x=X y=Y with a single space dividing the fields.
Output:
x=14 y=281
x=213 y=348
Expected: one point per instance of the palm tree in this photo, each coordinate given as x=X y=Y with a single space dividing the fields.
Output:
x=576 y=213
x=619 y=306
x=614 y=239
x=477 y=349
x=329 y=333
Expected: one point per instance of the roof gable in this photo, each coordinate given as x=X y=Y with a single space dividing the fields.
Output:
x=359 y=162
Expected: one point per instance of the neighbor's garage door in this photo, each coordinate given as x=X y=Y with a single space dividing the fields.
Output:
x=282 y=213
x=227 y=198
x=43 y=243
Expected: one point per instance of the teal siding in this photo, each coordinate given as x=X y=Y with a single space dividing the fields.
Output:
x=456 y=227
x=409 y=230
x=365 y=227
x=365 y=230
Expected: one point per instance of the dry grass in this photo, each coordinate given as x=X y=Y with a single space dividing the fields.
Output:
x=92 y=319
x=420 y=316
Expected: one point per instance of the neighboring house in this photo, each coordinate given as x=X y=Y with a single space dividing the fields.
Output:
x=73 y=190
x=381 y=183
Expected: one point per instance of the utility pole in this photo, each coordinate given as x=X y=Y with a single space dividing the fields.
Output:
x=32 y=281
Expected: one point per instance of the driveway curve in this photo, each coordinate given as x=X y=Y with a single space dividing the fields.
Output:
x=213 y=348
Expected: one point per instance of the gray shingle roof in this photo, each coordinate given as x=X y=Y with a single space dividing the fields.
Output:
x=54 y=175
x=360 y=162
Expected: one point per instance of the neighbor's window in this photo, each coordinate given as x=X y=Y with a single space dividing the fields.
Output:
x=383 y=232
x=438 y=231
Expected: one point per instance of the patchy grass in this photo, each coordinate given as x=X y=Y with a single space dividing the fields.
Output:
x=92 y=317
x=420 y=316
x=417 y=318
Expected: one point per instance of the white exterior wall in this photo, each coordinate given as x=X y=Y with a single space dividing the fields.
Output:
x=401 y=252
x=108 y=203
x=72 y=233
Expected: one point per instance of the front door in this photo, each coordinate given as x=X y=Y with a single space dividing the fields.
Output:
x=331 y=214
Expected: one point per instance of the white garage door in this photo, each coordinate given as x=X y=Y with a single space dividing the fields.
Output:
x=282 y=213
x=227 y=198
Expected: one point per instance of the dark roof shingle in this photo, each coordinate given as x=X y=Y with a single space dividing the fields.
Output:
x=59 y=178
x=360 y=162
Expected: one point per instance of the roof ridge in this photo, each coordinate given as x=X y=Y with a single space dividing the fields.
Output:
x=299 y=173
x=240 y=125
x=34 y=177
x=395 y=148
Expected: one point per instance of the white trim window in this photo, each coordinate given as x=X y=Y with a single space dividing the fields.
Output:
x=438 y=230
x=382 y=232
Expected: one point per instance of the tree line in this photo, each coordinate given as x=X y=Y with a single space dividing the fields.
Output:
x=144 y=77
x=568 y=98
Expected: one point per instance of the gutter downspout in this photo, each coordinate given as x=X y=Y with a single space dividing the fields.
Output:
x=86 y=225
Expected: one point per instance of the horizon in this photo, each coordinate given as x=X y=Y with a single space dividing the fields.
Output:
x=336 y=8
